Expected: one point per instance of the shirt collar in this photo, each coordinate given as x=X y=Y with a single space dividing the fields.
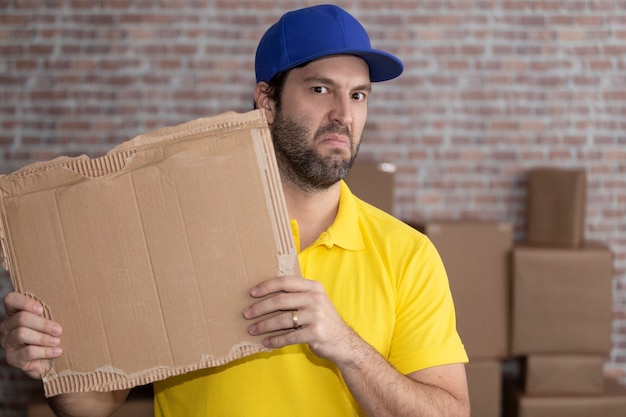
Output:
x=344 y=231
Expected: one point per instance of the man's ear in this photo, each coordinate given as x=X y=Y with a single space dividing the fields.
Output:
x=264 y=102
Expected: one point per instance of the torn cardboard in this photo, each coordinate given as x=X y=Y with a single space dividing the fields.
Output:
x=146 y=255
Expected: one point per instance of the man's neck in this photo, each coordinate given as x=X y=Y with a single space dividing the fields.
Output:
x=314 y=211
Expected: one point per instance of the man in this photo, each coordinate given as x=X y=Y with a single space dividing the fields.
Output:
x=372 y=328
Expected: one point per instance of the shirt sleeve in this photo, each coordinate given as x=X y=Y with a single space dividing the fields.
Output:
x=425 y=333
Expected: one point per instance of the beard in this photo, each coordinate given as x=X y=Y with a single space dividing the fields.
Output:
x=299 y=162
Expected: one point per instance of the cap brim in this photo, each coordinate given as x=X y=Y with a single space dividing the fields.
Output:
x=383 y=65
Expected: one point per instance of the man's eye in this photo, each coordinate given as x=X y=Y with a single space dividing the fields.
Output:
x=359 y=96
x=320 y=90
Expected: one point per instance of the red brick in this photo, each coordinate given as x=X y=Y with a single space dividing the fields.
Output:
x=11 y=50
x=601 y=65
x=83 y=4
x=587 y=20
x=185 y=49
x=26 y=65
x=119 y=4
x=614 y=50
x=513 y=5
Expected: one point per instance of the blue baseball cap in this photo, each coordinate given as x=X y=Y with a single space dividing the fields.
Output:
x=307 y=34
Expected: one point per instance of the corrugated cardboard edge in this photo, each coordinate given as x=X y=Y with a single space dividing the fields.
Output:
x=115 y=160
x=105 y=380
x=277 y=205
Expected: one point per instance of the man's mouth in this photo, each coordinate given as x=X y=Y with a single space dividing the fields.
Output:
x=336 y=140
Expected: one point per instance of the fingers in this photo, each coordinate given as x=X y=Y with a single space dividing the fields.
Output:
x=33 y=360
x=24 y=323
x=284 y=293
x=285 y=296
x=279 y=288
x=279 y=302
x=289 y=338
x=25 y=328
x=285 y=284
x=316 y=321
x=281 y=321
x=28 y=338
x=14 y=302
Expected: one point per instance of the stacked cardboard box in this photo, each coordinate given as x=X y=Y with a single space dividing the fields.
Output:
x=477 y=259
x=561 y=305
x=611 y=403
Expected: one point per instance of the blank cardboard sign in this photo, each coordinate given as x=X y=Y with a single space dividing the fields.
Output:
x=146 y=255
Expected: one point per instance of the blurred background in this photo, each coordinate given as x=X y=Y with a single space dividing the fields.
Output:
x=491 y=90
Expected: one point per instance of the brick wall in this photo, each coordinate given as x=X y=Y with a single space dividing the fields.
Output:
x=490 y=90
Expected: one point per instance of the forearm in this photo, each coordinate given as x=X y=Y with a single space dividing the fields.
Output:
x=382 y=391
x=92 y=404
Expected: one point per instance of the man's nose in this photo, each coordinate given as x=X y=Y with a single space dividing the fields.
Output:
x=341 y=112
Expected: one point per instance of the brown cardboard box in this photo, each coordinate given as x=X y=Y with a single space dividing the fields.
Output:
x=556 y=207
x=146 y=255
x=561 y=300
x=611 y=404
x=477 y=259
x=484 y=378
x=564 y=374
x=373 y=182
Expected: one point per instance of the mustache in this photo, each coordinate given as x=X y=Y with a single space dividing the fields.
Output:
x=333 y=128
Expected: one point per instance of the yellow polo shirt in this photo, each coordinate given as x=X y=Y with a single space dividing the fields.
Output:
x=388 y=283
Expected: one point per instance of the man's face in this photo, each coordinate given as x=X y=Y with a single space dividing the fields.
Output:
x=317 y=129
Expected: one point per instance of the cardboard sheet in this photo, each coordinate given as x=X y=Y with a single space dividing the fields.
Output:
x=146 y=255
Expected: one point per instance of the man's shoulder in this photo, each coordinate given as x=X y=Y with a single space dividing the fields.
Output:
x=370 y=215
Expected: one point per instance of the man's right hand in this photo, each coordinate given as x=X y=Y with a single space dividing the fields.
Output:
x=29 y=339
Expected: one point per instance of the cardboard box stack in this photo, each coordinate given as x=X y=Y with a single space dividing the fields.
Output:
x=476 y=256
x=561 y=306
x=535 y=317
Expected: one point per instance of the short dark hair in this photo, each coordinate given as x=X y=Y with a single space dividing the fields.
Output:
x=275 y=86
